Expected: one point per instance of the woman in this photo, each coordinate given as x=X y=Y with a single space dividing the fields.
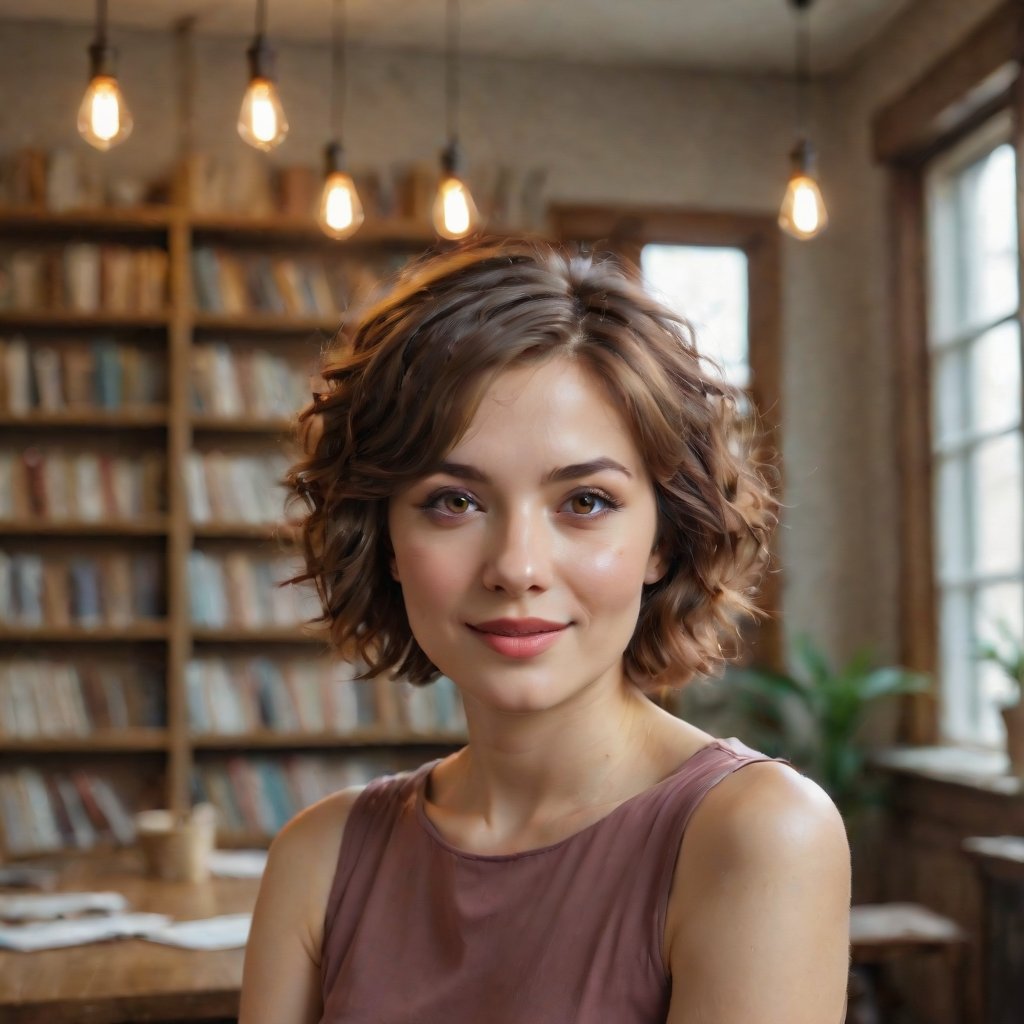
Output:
x=523 y=476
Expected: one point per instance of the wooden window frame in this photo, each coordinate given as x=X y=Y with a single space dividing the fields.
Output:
x=979 y=78
x=624 y=230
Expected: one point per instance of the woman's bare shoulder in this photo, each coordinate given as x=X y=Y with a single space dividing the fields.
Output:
x=764 y=864
x=303 y=859
x=281 y=974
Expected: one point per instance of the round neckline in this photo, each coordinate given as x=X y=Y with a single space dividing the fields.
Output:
x=433 y=832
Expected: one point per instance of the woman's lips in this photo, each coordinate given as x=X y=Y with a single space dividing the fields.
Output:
x=519 y=638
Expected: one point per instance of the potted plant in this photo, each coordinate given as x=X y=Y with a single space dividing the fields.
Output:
x=813 y=718
x=1008 y=654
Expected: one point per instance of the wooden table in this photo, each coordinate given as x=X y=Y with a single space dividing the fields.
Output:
x=126 y=980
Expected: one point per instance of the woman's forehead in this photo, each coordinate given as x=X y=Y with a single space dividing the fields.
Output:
x=556 y=409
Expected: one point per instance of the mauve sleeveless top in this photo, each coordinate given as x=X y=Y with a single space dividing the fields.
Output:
x=419 y=932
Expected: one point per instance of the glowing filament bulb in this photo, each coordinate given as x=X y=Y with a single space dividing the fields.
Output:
x=455 y=213
x=341 y=212
x=103 y=117
x=261 y=121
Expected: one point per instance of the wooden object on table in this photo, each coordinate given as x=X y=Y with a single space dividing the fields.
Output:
x=130 y=980
x=999 y=861
x=883 y=932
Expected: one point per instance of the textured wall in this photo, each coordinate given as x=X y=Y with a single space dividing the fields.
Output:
x=615 y=135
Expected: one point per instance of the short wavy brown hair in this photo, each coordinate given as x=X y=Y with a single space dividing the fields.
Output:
x=406 y=381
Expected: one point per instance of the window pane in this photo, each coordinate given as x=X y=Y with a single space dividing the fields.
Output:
x=990 y=236
x=950 y=532
x=997 y=609
x=995 y=487
x=995 y=378
x=949 y=417
x=957 y=666
x=708 y=287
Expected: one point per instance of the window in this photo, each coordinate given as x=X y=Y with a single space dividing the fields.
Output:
x=974 y=358
x=708 y=286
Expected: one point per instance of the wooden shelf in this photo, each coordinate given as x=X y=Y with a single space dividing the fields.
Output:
x=93 y=634
x=397 y=231
x=142 y=219
x=99 y=741
x=242 y=425
x=271 y=739
x=245 y=531
x=266 y=323
x=256 y=635
x=72 y=318
x=105 y=419
x=172 y=335
x=107 y=528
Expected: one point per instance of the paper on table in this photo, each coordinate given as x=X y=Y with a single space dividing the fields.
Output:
x=225 y=932
x=238 y=863
x=46 y=906
x=56 y=934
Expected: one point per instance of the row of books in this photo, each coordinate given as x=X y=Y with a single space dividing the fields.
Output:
x=112 y=589
x=83 y=277
x=250 y=282
x=101 y=374
x=260 y=794
x=41 y=697
x=241 y=590
x=88 y=487
x=239 y=695
x=235 y=488
x=230 y=382
x=44 y=811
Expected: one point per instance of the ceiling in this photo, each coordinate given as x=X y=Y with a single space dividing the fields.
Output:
x=731 y=35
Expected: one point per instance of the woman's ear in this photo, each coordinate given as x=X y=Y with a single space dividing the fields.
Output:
x=393 y=566
x=657 y=566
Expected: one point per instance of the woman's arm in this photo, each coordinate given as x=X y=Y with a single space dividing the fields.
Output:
x=759 y=917
x=281 y=977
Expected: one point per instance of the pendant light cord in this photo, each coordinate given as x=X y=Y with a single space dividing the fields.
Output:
x=101 y=22
x=339 y=37
x=803 y=63
x=452 y=76
x=261 y=18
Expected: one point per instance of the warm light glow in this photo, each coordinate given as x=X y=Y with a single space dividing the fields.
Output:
x=455 y=214
x=261 y=121
x=341 y=212
x=103 y=117
x=803 y=213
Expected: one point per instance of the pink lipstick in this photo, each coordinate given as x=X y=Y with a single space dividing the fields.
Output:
x=518 y=638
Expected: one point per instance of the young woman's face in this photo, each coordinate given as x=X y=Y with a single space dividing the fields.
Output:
x=522 y=558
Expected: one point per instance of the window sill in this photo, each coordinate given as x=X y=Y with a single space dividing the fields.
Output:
x=982 y=770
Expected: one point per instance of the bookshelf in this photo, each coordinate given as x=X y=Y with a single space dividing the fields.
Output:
x=125 y=372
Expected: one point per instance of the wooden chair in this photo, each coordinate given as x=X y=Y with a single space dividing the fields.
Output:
x=881 y=933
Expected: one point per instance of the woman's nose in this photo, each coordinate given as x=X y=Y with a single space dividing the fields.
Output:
x=518 y=555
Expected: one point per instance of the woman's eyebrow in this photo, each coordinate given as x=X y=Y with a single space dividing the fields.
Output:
x=572 y=472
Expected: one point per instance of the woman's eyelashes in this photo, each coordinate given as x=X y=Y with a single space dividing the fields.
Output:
x=584 y=503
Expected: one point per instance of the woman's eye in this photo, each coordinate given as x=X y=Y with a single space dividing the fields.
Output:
x=589 y=503
x=452 y=503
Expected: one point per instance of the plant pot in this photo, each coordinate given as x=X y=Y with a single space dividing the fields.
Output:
x=1013 y=719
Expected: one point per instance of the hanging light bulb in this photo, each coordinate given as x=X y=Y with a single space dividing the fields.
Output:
x=103 y=116
x=341 y=212
x=261 y=120
x=802 y=214
x=455 y=213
